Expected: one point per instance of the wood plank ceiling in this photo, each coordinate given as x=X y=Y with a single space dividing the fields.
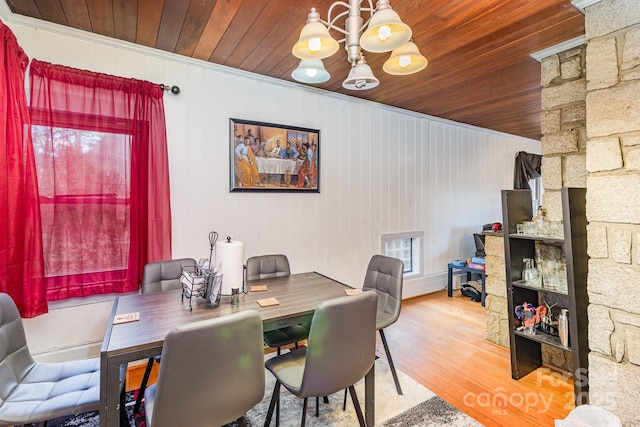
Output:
x=479 y=71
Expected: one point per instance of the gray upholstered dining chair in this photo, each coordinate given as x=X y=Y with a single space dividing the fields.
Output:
x=163 y=276
x=159 y=276
x=384 y=275
x=264 y=267
x=35 y=392
x=340 y=351
x=212 y=372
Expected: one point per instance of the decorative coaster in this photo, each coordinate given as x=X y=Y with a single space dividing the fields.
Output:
x=266 y=302
x=353 y=291
x=125 y=318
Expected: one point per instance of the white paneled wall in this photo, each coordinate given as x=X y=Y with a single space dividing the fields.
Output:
x=382 y=170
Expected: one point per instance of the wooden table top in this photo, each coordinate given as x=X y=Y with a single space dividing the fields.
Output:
x=298 y=296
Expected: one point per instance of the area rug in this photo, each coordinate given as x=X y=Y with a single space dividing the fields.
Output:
x=413 y=408
x=418 y=407
x=434 y=412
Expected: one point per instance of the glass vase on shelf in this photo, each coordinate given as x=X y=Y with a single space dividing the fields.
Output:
x=554 y=276
x=549 y=274
x=530 y=274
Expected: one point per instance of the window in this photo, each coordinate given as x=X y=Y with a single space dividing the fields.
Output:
x=407 y=247
x=85 y=221
x=101 y=156
x=536 y=193
x=84 y=170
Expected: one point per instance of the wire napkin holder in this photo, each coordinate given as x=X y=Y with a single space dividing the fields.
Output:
x=201 y=279
x=201 y=282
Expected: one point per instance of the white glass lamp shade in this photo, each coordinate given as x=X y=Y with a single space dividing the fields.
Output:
x=385 y=32
x=310 y=71
x=315 y=42
x=405 y=60
x=360 y=77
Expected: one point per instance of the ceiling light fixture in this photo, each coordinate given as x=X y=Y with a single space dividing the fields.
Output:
x=383 y=32
x=405 y=60
x=311 y=71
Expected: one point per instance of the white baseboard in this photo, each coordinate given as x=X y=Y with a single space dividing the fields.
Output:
x=85 y=351
x=424 y=285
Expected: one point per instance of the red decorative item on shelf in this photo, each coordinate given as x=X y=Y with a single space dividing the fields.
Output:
x=497 y=227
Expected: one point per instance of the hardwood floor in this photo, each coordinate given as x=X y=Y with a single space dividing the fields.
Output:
x=439 y=342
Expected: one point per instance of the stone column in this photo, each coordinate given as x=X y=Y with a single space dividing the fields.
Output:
x=613 y=204
x=563 y=125
x=563 y=118
x=497 y=320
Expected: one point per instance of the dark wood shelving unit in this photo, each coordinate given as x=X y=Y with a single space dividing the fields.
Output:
x=526 y=350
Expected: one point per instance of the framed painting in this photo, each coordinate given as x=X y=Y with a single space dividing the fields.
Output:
x=272 y=157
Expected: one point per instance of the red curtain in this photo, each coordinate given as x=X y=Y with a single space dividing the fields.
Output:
x=21 y=263
x=101 y=152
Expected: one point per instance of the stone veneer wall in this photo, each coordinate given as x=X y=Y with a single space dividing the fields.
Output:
x=563 y=125
x=497 y=322
x=563 y=119
x=613 y=204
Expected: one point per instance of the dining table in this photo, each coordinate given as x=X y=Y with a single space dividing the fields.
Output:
x=139 y=323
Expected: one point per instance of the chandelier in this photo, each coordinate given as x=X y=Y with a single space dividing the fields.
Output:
x=383 y=32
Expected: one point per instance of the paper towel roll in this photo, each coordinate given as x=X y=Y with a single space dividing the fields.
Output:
x=229 y=256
